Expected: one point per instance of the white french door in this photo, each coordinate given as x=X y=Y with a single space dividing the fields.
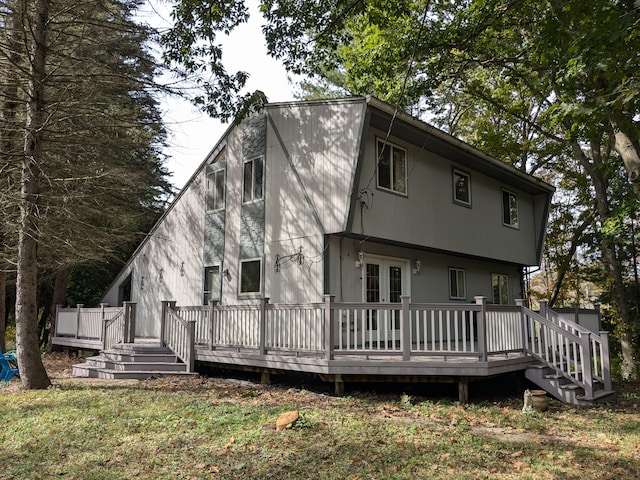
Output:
x=384 y=280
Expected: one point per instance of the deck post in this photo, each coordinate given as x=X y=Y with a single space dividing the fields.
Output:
x=463 y=390
x=338 y=385
x=104 y=333
x=543 y=308
x=520 y=302
x=130 y=322
x=212 y=317
x=263 y=326
x=606 y=367
x=482 y=330
x=55 y=325
x=78 y=316
x=103 y=325
x=585 y=360
x=329 y=326
x=406 y=328
x=191 y=338
x=166 y=305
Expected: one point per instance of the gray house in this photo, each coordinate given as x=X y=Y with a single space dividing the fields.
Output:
x=337 y=237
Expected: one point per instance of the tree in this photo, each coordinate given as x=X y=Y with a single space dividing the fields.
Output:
x=91 y=164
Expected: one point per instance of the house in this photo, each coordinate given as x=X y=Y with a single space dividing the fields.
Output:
x=344 y=202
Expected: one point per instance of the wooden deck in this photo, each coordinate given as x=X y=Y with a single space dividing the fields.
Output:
x=354 y=341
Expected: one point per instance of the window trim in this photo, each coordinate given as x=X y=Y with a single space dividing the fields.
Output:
x=212 y=190
x=393 y=147
x=493 y=298
x=464 y=283
x=253 y=198
x=260 y=273
x=456 y=171
x=505 y=193
x=208 y=292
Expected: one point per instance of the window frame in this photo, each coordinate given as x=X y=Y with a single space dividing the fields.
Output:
x=207 y=289
x=461 y=173
x=500 y=276
x=253 y=162
x=507 y=212
x=392 y=180
x=212 y=191
x=248 y=293
x=458 y=272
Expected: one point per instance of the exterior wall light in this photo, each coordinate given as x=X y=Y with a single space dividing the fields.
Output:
x=416 y=267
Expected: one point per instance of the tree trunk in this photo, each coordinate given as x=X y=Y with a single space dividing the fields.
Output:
x=625 y=146
x=3 y=311
x=59 y=298
x=32 y=372
x=595 y=169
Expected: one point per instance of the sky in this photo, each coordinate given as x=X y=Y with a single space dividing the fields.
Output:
x=192 y=134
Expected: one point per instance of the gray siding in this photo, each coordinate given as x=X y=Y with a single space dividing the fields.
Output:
x=430 y=285
x=312 y=152
x=427 y=216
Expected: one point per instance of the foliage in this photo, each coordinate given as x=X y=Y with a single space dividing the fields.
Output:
x=204 y=428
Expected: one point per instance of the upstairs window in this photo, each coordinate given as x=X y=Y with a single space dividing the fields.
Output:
x=510 y=209
x=457 y=290
x=253 y=180
x=461 y=188
x=215 y=190
x=391 y=167
x=500 y=288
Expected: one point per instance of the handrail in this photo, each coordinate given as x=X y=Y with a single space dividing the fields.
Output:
x=178 y=334
x=570 y=350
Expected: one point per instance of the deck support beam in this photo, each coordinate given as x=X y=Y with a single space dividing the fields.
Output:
x=338 y=385
x=265 y=377
x=463 y=390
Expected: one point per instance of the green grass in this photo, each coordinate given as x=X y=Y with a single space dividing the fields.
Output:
x=200 y=428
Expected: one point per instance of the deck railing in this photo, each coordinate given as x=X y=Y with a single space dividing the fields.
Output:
x=100 y=327
x=384 y=329
x=571 y=350
x=178 y=333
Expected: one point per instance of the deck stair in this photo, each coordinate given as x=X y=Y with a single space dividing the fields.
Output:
x=132 y=361
x=571 y=362
x=564 y=389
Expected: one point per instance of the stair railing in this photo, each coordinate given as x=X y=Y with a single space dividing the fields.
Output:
x=569 y=349
x=120 y=328
x=178 y=334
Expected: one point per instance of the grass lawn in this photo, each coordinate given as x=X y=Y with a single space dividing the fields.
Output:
x=214 y=428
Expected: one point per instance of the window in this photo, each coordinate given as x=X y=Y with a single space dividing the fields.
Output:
x=509 y=209
x=500 y=288
x=215 y=190
x=250 y=271
x=253 y=180
x=391 y=167
x=211 y=284
x=461 y=188
x=456 y=284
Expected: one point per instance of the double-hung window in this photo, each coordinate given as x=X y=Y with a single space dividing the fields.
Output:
x=253 y=180
x=510 y=209
x=457 y=290
x=391 y=167
x=500 y=288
